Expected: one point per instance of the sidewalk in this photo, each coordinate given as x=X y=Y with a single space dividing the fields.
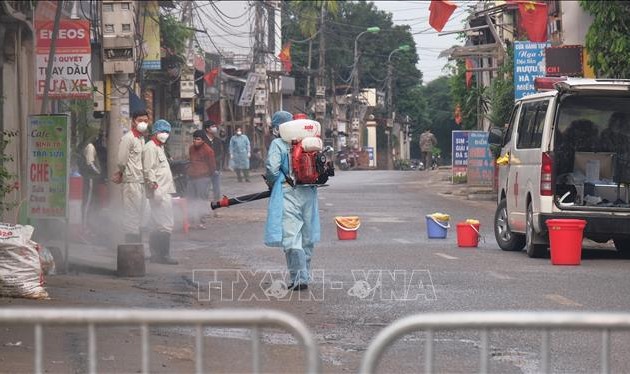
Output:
x=98 y=254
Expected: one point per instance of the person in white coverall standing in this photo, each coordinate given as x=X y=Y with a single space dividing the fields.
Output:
x=159 y=185
x=130 y=175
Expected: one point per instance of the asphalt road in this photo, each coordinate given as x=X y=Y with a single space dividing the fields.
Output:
x=419 y=275
x=360 y=286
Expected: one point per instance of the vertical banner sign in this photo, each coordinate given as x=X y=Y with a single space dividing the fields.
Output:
x=460 y=156
x=529 y=63
x=151 y=36
x=70 y=75
x=480 y=167
x=48 y=165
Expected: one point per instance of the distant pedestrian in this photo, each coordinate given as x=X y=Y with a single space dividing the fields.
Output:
x=240 y=152
x=129 y=173
x=202 y=167
x=210 y=137
x=427 y=142
x=160 y=186
x=101 y=153
x=91 y=173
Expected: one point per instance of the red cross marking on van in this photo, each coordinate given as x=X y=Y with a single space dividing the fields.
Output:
x=516 y=190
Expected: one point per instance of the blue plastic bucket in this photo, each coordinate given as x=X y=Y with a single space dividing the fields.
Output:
x=436 y=229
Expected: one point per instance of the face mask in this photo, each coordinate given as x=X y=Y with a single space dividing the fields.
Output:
x=214 y=130
x=238 y=133
x=162 y=137
x=142 y=126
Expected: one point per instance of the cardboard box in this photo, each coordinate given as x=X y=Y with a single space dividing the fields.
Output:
x=605 y=160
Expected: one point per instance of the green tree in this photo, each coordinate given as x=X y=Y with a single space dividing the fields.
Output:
x=174 y=36
x=608 y=37
x=502 y=92
x=440 y=113
x=465 y=97
x=342 y=27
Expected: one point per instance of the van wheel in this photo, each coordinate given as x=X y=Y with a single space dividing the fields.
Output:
x=533 y=250
x=507 y=240
x=622 y=245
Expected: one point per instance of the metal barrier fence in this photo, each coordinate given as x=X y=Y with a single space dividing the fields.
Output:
x=485 y=321
x=145 y=318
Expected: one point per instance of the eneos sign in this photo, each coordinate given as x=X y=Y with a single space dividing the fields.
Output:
x=70 y=73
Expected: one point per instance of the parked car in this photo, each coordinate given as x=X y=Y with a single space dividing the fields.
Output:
x=564 y=154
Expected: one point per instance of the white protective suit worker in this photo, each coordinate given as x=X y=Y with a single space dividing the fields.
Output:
x=159 y=184
x=130 y=175
x=240 y=152
x=292 y=214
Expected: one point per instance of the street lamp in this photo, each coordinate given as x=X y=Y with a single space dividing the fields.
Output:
x=390 y=108
x=355 y=71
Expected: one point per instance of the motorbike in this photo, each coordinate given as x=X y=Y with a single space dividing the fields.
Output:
x=346 y=159
x=342 y=160
x=180 y=177
x=435 y=161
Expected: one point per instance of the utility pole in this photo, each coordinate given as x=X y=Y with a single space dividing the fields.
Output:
x=390 y=102
x=260 y=68
x=51 y=56
x=118 y=73
x=355 y=125
x=320 y=85
x=390 y=110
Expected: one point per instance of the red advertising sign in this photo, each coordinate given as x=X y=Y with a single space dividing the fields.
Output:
x=70 y=74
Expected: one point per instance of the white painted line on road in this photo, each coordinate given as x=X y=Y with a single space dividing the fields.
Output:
x=446 y=256
x=498 y=275
x=402 y=241
x=562 y=300
x=329 y=204
x=336 y=285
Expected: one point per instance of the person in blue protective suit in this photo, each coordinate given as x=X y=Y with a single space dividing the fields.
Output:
x=292 y=214
x=158 y=181
x=240 y=152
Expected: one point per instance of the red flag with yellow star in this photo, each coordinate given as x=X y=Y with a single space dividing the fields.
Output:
x=285 y=57
x=534 y=20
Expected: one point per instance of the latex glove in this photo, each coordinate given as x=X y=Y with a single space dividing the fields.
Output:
x=249 y=155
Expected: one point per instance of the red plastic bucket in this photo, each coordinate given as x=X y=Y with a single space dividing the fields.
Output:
x=346 y=234
x=467 y=234
x=565 y=237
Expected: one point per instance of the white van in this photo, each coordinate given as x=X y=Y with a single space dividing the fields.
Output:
x=566 y=154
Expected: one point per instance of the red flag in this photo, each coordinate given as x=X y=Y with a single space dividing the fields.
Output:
x=534 y=20
x=440 y=11
x=209 y=77
x=469 y=73
x=285 y=57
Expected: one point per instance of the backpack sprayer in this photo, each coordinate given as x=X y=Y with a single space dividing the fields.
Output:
x=309 y=163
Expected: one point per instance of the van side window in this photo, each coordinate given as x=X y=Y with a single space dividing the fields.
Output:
x=531 y=124
x=510 y=125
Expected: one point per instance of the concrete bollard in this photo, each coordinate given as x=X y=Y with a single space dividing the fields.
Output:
x=130 y=260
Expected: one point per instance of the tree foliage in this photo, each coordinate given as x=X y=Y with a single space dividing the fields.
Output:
x=608 y=37
x=340 y=32
x=466 y=98
x=502 y=92
x=174 y=35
